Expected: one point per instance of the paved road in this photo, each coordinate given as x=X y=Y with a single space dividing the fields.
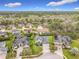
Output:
x=47 y=54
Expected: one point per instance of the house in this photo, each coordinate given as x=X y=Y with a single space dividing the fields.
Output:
x=21 y=24
x=66 y=40
x=17 y=33
x=58 y=40
x=29 y=25
x=41 y=30
x=10 y=18
x=2 y=26
x=20 y=42
x=12 y=26
x=2 y=33
x=3 y=49
x=62 y=40
x=42 y=39
x=27 y=30
x=3 y=36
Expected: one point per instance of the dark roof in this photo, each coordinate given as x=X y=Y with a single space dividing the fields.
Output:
x=3 y=49
x=42 y=38
x=2 y=44
x=2 y=33
x=66 y=38
x=15 y=31
x=23 y=40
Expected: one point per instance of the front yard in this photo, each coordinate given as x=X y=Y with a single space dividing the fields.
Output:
x=27 y=53
x=9 y=43
x=33 y=50
x=51 y=43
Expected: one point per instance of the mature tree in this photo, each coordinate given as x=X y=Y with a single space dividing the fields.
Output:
x=75 y=51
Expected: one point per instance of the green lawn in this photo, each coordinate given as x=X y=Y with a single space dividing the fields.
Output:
x=9 y=43
x=69 y=55
x=75 y=43
x=51 y=39
x=51 y=43
x=34 y=49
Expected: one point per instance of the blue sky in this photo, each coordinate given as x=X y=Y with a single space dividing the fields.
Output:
x=39 y=5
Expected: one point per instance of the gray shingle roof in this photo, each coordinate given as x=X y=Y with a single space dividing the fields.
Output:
x=23 y=41
x=3 y=49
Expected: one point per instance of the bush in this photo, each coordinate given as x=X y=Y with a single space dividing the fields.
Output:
x=28 y=51
x=74 y=51
x=11 y=55
x=52 y=47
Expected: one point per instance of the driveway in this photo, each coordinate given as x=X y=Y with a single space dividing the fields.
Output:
x=47 y=54
x=19 y=50
x=3 y=56
x=59 y=51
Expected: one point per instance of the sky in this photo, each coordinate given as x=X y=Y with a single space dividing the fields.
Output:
x=39 y=5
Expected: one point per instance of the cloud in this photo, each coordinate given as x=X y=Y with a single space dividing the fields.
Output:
x=62 y=2
x=77 y=8
x=56 y=9
x=13 y=4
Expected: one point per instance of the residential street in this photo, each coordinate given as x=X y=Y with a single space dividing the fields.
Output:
x=47 y=54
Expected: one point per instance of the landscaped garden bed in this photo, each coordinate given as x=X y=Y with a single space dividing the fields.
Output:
x=33 y=50
x=11 y=55
x=28 y=54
